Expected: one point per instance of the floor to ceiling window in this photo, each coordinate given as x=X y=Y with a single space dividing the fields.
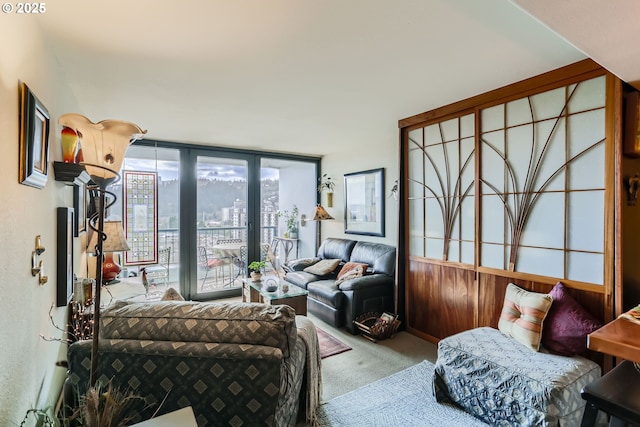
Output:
x=216 y=211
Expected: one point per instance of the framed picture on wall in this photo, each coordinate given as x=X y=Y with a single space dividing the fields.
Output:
x=64 y=251
x=80 y=208
x=364 y=202
x=34 y=139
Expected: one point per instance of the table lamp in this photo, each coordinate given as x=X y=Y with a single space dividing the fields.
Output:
x=115 y=242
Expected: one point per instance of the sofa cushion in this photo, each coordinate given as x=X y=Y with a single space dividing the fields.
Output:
x=236 y=323
x=301 y=278
x=381 y=257
x=336 y=248
x=326 y=291
x=567 y=324
x=522 y=315
x=323 y=267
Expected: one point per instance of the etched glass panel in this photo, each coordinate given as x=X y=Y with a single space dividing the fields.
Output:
x=585 y=267
x=434 y=248
x=545 y=262
x=545 y=228
x=586 y=224
x=442 y=175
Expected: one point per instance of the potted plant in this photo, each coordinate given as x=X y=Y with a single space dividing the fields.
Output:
x=256 y=270
x=325 y=183
x=291 y=221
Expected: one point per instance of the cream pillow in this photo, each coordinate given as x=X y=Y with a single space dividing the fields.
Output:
x=522 y=315
x=323 y=267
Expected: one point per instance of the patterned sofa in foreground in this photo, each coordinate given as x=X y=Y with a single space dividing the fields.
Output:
x=233 y=363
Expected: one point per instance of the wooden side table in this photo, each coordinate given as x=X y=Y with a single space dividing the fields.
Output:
x=619 y=338
x=295 y=297
x=618 y=391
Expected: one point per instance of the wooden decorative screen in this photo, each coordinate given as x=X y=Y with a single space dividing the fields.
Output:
x=541 y=185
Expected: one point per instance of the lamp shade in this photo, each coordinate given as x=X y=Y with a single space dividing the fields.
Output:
x=321 y=214
x=115 y=241
x=104 y=144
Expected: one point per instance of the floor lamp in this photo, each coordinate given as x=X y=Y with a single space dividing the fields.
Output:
x=104 y=145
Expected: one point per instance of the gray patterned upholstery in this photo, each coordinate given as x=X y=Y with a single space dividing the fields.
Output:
x=504 y=383
x=236 y=364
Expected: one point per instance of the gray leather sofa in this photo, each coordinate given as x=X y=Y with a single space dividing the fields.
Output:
x=340 y=304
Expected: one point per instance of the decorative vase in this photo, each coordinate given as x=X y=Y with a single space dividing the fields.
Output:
x=330 y=199
x=271 y=285
x=69 y=142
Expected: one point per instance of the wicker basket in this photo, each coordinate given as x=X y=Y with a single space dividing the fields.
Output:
x=372 y=327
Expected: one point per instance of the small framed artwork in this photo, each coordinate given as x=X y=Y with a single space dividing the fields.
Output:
x=364 y=202
x=79 y=208
x=34 y=139
x=64 y=251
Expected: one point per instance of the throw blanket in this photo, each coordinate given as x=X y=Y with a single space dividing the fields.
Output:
x=312 y=382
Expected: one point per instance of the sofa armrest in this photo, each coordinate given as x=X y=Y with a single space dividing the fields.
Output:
x=366 y=281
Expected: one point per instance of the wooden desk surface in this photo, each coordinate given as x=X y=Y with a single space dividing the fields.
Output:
x=619 y=338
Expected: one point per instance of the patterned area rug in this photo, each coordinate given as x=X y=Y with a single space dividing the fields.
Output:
x=330 y=345
x=404 y=399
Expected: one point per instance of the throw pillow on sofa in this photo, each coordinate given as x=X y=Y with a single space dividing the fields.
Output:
x=300 y=263
x=351 y=270
x=323 y=267
x=522 y=315
x=567 y=324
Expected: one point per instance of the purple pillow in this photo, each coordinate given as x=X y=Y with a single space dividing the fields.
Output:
x=567 y=324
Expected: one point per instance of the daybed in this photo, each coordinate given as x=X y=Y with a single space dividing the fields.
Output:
x=504 y=377
x=346 y=279
x=233 y=363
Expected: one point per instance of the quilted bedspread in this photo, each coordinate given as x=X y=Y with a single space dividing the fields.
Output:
x=504 y=383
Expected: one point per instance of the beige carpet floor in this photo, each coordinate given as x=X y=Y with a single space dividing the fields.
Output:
x=368 y=361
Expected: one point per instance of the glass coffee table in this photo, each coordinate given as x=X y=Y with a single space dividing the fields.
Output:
x=295 y=297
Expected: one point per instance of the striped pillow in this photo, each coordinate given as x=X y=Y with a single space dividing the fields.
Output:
x=522 y=315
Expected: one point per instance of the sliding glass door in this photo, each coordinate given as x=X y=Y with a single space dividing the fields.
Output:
x=221 y=221
x=219 y=209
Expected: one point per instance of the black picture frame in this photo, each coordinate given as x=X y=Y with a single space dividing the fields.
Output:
x=34 y=139
x=80 y=208
x=64 y=251
x=364 y=203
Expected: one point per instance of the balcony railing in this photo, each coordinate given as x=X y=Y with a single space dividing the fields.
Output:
x=208 y=237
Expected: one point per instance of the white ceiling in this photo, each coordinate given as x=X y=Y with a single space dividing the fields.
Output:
x=302 y=76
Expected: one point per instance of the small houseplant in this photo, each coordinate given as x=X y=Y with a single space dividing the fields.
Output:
x=256 y=270
x=291 y=221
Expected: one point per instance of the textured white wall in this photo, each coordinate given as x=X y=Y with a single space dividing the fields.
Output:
x=28 y=376
x=382 y=153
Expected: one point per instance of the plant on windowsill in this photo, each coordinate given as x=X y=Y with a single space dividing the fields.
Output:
x=256 y=270
x=291 y=221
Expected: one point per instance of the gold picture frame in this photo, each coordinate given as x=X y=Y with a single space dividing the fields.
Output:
x=34 y=139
